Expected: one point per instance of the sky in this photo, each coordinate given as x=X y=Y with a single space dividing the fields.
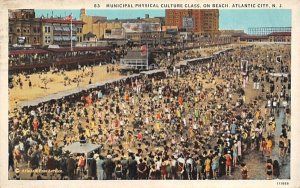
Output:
x=229 y=18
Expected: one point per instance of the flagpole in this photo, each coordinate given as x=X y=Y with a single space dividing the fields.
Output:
x=71 y=35
x=147 y=57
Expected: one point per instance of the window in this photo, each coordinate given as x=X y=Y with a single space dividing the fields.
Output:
x=18 y=30
x=47 y=29
x=47 y=39
x=10 y=39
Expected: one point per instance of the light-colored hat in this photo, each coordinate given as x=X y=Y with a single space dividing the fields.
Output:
x=109 y=156
x=17 y=170
x=96 y=155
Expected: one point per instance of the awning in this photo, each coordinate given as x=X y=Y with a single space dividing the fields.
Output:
x=73 y=28
x=153 y=71
x=57 y=28
x=57 y=38
x=74 y=38
x=217 y=53
x=66 y=28
x=32 y=51
x=79 y=49
x=66 y=38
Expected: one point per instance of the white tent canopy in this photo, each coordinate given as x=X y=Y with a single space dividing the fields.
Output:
x=278 y=74
x=153 y=71
x=76 y=147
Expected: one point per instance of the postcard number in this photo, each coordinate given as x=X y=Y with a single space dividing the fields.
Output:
x=97 y=5
x=282 y=183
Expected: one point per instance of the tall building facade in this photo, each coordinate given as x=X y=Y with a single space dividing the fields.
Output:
x=58 y=32
x=24 y=28
x=91 y=25
x=201 y=21
x=27 y=30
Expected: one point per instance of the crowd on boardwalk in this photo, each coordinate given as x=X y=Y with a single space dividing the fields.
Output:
x=196 y=123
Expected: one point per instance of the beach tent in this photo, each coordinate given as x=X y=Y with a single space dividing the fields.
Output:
x=76 y=147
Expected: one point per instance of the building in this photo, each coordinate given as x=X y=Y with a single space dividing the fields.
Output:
x=267 y=30
x=57 y=31
x=89 y=21
x=97 y=25
x=280 y=37
x=199 y=21
x=253 y=38
x=24 y=28
x=100 y=29
x=136 y=60
x=27 y=30
x=136 y=30
x=231 y=32
x=272 y=37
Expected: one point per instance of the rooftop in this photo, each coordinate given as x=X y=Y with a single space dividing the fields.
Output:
x=135 y=55
x=61 y=21
x=280 y=34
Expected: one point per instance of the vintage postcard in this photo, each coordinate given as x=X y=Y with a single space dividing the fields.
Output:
x=149 y=94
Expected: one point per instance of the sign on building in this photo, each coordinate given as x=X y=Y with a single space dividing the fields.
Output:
x=172 y=31
x=141 y=27
x=187 y=23
x=21 y=40
x=117 y=33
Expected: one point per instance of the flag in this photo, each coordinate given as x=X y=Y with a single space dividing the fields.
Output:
x=69 y=18
x=144 y=50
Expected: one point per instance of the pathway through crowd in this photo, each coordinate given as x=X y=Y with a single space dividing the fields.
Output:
x=256 y=163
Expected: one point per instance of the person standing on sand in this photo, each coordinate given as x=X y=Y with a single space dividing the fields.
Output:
x=228 y=163
x=244 y=171
x=269 y=169
x=276 y=169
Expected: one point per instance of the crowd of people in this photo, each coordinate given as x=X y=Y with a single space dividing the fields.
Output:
x=197 y=123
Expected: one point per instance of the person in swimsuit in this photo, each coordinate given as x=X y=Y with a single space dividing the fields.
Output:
x=207 y=167
x=228 y=163
x=118 y=170
x=269 y=169
x=152 y=173
x=244 y=171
